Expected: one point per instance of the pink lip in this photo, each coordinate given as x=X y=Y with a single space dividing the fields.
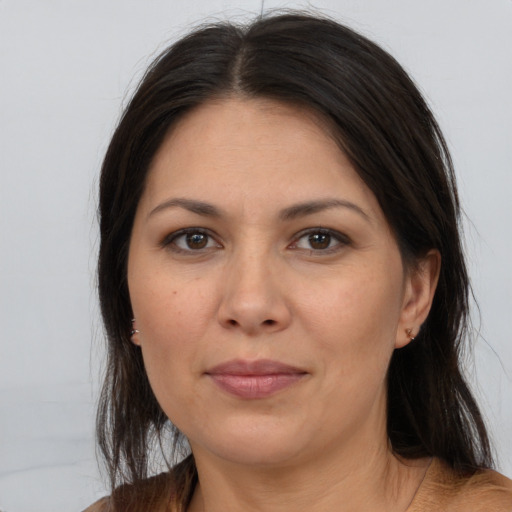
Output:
x=254 y=379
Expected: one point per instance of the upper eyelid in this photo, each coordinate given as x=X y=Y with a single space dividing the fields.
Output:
x=329 y=231
x=170 y=237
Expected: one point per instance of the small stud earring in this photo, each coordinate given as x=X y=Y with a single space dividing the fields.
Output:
x=409 y=334
x=134 y=331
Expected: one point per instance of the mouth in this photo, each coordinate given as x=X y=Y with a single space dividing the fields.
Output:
x=254 y=379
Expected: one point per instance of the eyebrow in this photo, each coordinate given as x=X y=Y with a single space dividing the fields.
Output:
x=198 y=207
x=311 y=207
x=292 y=212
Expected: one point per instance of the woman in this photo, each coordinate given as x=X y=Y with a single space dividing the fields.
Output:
x=281 y=276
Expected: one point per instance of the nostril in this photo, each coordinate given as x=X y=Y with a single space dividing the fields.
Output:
x=232 y=322
x=269 y=322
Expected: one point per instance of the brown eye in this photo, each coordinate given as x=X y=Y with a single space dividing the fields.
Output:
x=190 y=240
x=196 y=240
x=319 y=240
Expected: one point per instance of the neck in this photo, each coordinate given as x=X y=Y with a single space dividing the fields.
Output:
x=362 y=478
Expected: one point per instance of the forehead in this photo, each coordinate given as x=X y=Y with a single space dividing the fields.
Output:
x=253 y=149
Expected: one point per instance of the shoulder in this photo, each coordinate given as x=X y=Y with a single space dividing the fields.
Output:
x=100 y=506
x=155 y=494
x=447 y=490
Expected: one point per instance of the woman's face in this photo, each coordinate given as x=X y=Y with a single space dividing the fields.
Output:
x=267 y=287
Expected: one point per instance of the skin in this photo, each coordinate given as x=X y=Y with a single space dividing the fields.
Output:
x=255 y=284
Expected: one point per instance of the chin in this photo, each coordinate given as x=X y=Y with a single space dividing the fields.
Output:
x=254 y=444
x=256 y=453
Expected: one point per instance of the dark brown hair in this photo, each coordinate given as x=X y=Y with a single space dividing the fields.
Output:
x=385 y=127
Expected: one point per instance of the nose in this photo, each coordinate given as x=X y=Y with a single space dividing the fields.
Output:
x=253 y=296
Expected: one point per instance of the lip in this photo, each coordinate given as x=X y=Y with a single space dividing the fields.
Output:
x=254 y=379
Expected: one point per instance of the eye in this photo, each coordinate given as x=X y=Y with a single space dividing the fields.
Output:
x=320 y=240
x=190 y=240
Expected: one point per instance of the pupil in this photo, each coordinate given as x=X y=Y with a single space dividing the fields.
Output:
x=196 y=240
x=320 y=240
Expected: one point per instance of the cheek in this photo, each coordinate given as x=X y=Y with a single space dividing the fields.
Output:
x=361 y=303
x=355 y=321
x=168 y=307
x=172 y=325
x=172 y=318
x=354 y=326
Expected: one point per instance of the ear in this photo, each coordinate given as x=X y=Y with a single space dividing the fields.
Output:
x=420 y=286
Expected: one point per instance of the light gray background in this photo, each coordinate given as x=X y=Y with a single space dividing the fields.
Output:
x=65 y=68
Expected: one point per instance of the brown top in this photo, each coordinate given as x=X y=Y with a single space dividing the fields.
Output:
x=442 y=490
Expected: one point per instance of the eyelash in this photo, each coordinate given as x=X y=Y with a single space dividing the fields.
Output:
x=169 y=242
x=340 y=239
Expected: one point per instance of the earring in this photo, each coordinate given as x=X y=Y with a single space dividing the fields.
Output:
x=409 y=334
x=134 y=331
